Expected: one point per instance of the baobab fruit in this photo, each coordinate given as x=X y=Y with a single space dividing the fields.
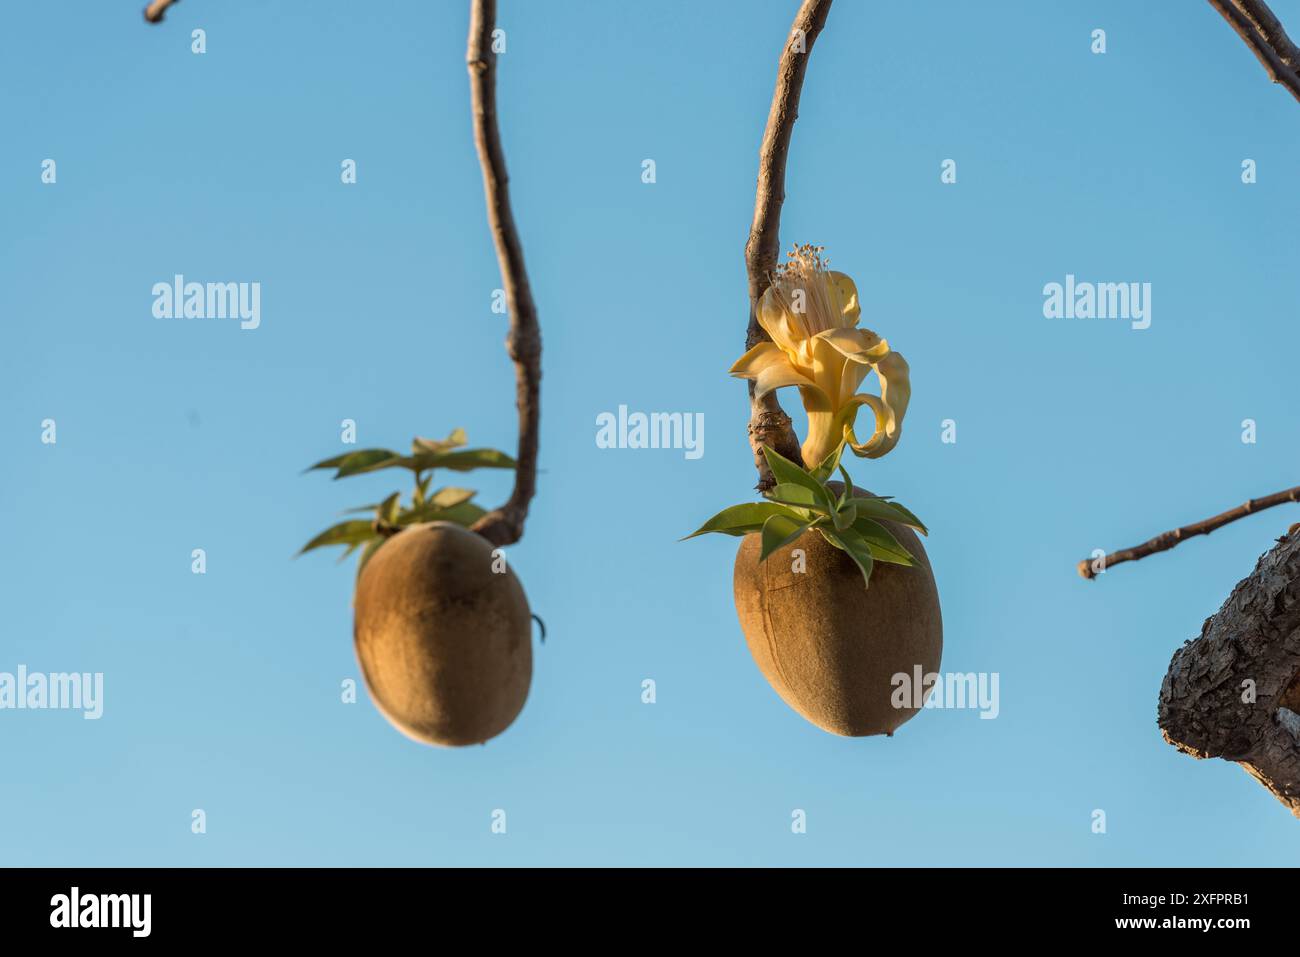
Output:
x=829 y=644
x=443 y=634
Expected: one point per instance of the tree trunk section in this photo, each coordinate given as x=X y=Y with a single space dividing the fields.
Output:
x=1252 y=644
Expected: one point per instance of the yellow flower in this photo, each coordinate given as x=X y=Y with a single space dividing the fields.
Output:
x=810 y=313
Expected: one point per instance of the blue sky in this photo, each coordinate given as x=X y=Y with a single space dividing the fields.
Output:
x=222 y=690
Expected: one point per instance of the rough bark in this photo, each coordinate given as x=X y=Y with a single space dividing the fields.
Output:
x=505 y=525
x=768 y=422
x=1251 y=644
x=1256 y=24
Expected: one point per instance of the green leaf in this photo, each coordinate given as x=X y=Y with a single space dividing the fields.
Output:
x=780 y=530
x=464 y=513
x=367 y=460
x=388 y=508
x=844 y=517
x=889 y=511
x=344 y=533
x=829 y=464
x=848 y=486
x=426 y=454
x=786 y=472
x=910 y=519
x=884 y=547
x=362 y=508
x=328 y=463
x=460 y=461
x=455 y=440
x=339 y=460
x=830 y=535
x=449 y=496
x=421 y=489
x=850 y=542
x=787 y=493
x=467 y=459
x=743 y=519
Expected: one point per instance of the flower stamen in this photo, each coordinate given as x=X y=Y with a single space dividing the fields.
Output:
x=804 y=271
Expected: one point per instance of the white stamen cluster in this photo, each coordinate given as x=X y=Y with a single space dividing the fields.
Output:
x=805 y=271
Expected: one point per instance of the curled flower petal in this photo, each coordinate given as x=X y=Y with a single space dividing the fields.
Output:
x=850 y=379
x=889 y=409
x=859 y=345
x=858 y=350
x=844 y=295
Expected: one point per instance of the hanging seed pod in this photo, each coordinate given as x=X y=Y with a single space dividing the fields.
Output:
x=443 y=638
x=830 y=646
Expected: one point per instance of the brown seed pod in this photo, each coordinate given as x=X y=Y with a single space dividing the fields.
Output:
x=444 y=641
x=831 y=646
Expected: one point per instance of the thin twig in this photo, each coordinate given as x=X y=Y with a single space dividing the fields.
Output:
x=1256 y=24
x=1169 y=539
x=505 y=525
x=157 y=9
x=768 y=423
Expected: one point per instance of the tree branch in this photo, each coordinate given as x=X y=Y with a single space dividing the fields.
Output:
x=1168 y=540
x=157 y=9
x=505 y=525
x=768 y=422
x=1263 y=33
x=1233 y=692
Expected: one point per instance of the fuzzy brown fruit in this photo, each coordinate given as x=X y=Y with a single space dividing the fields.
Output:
x=831 y=646
x=444 y=642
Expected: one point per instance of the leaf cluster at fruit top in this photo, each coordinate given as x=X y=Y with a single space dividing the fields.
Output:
x=448 y=504
x=802 y=500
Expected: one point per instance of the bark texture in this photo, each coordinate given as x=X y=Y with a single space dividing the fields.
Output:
x=1252 y=642
x=1261 y=30
x=768 y=422
x=505 y=525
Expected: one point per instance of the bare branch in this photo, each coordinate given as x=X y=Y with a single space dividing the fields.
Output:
x=768 y=423
x=1168 y=540
x=157 y=9
x=1256 y=24
x=505 y=525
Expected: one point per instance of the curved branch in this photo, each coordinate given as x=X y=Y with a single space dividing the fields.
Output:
x=505 y=525
x=1168 y=540
x=1256 y=24
x=157 y=9
x=768 y=422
